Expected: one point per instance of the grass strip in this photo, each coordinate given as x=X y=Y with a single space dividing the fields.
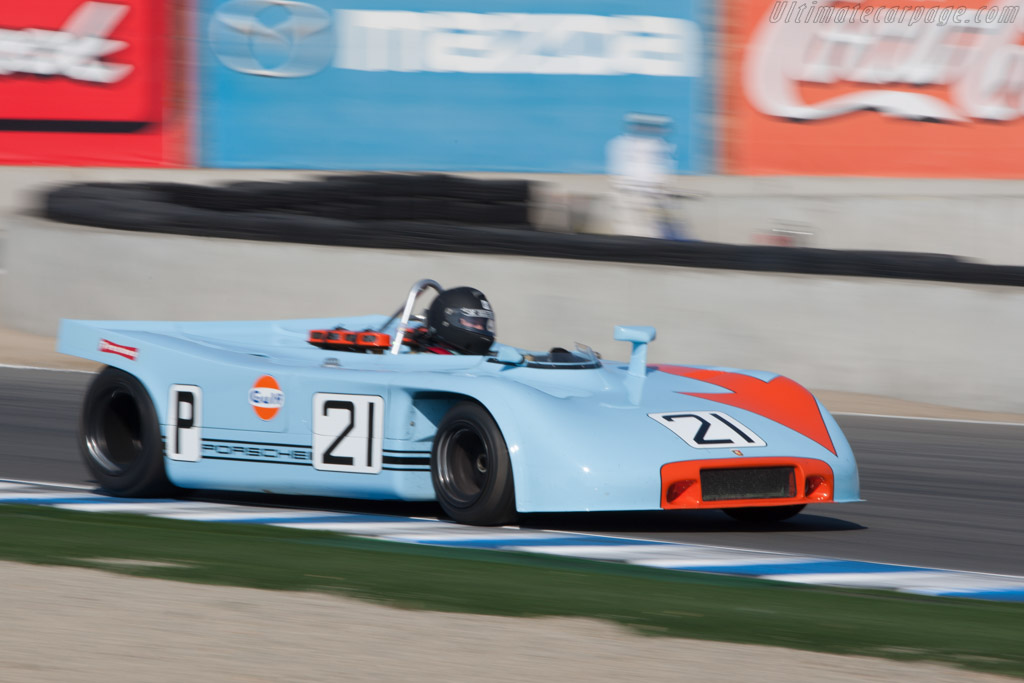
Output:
x=973 y=634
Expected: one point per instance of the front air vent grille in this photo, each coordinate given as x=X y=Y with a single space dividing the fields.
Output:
x=747 y=483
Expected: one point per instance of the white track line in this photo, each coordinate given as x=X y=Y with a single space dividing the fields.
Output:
x=459 y=536
x=842 y=413
x=360 y=528
x=151 y=509
x=934 y=419
x=932 y=582
x=17 y=495
x=36 y=367
x=684 y=563
x=228 y=515
x=24 y=482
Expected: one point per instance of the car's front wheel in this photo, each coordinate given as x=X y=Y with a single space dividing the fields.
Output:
x=119 y=436
x=763 y=515
x=471 y=469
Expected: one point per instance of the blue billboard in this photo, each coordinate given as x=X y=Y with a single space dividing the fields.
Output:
x=520 y=86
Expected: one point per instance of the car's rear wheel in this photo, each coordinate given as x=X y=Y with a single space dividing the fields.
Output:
x=763 y=515
x=119 y=436
x=471 y=469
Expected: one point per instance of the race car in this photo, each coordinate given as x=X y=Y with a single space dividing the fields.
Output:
x=363 y=407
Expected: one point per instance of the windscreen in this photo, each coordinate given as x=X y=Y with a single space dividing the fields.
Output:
x=581 y=358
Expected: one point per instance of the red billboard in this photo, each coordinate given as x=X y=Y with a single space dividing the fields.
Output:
x=932 y=89
x=91 y=83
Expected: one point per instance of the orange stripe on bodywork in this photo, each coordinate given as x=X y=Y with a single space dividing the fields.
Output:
x=781 y=400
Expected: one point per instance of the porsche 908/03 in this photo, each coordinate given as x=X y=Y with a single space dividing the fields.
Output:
x=349 y=408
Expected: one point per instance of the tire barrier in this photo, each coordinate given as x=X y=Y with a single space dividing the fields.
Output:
x=425 y=197
x=435 y=212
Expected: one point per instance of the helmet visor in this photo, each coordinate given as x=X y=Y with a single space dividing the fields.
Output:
x=475 y=320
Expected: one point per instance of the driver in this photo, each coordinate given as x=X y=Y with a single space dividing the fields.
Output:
x=459 y=321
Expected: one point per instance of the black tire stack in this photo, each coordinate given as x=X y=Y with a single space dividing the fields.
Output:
x=438 y=212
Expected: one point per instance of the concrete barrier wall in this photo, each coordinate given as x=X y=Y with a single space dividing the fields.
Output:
x=940 y=343
x=974 y=219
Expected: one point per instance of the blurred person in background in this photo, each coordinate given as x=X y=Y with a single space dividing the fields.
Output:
x=640 y=163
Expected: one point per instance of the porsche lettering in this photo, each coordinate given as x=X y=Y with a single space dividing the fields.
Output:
x=261 y=452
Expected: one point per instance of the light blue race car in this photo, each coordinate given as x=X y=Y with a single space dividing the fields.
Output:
x=367 y=407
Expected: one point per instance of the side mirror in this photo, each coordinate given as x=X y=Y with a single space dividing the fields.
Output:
x=640 y=336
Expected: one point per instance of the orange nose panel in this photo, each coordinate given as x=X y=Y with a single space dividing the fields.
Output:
x=745 y=482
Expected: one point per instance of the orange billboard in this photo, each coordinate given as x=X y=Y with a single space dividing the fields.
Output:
x=926 y=89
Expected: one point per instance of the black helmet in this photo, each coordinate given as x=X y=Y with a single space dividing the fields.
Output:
x=462 y=319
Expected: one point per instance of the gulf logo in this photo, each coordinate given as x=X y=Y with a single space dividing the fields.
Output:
x=266 y=397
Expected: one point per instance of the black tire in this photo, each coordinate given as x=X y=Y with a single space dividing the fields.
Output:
x=764 y=515
x=471 y=469
x=119 y=437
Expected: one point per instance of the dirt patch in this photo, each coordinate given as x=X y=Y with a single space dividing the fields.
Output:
x=22 y=348
x=121 y=562
x=846 y=402
x=66 y=625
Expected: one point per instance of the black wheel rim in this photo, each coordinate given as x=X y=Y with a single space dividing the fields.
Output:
x=463 y=465
x=113 y=431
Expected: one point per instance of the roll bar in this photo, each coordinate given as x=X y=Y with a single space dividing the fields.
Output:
x=406 y=311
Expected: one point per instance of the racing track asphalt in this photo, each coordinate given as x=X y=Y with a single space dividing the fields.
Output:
x=938 y=494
